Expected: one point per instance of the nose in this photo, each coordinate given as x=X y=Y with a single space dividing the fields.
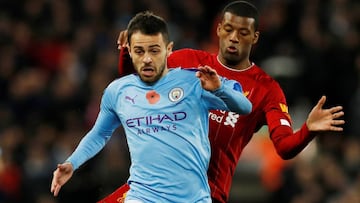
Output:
x=234 y=36
x=147 y=59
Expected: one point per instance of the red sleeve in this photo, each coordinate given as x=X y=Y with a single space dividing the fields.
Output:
x=287 y=143
x=125 y=65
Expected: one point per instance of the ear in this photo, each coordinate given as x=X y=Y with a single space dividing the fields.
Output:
x=256 y=37
x=169 y=48
x=218 y=28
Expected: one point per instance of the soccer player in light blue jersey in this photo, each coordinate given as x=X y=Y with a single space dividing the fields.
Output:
x=165 y=116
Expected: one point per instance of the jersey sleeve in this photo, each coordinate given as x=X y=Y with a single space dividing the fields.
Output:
x=230 y=98
x=106 y=122
x=287 y=143
x=231 y=93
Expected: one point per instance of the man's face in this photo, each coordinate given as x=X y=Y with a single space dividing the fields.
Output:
x=236 y=38
x=149 y=54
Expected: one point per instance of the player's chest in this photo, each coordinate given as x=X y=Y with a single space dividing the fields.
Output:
x=136 y=101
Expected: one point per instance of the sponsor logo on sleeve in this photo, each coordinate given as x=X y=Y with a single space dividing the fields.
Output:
x=284 y=122
x=284 y=108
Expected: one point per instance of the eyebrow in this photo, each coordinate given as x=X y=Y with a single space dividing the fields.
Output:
x=155 y=45
x=151 y=46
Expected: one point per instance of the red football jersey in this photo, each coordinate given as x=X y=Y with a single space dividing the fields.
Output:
x=229 y=132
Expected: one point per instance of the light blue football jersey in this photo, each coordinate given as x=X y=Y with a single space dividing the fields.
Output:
x=166 y=126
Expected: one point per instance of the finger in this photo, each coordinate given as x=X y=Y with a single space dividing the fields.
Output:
x=123 y=39
x=199 y=74
x=119 y=39
x=56 y=190
x=338 y=122
x=59 y=167
x=201 y=68
x=53 y=182
x=207 y=70
x=338 y=114
x=321 y=102
x=53 y=186
x=62 y=167
x=336 y=128
x=336 y=109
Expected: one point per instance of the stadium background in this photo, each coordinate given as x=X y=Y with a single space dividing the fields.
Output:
x=56 y=57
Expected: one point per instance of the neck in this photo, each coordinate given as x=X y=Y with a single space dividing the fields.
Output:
x=241 y=65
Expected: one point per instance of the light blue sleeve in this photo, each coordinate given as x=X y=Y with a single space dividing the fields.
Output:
x=230 y=92
x=106 y=123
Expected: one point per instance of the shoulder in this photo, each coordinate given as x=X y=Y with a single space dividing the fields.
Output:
x=268 y=85
x=119 y=83
x=261 y=76
x=183 y=72
x=183 y=75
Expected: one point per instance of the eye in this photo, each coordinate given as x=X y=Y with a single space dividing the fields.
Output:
x=139 y=51
x=228 y=29
x=154 y=51
x=244 y=32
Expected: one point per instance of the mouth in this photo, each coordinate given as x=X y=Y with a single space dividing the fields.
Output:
x=147 y=71
x=232 y=49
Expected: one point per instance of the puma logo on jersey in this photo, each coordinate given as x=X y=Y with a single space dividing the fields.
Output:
x=131 y=99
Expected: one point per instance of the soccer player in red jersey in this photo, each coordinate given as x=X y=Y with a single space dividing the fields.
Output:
x=229 y=132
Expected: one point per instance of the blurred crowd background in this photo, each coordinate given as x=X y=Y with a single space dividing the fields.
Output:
x=56 y=57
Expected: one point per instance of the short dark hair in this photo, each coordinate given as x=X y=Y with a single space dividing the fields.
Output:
x=148 y=23
x=243 y=8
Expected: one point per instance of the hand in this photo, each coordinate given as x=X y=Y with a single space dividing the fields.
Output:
x=122 y=39
x=61 y=175
x=320 y=119
x=209 y=78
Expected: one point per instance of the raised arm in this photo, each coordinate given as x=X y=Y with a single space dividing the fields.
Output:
x=288 y=143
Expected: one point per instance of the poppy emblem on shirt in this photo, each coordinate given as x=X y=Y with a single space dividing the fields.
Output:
x=176 y=94
x=152 y=96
